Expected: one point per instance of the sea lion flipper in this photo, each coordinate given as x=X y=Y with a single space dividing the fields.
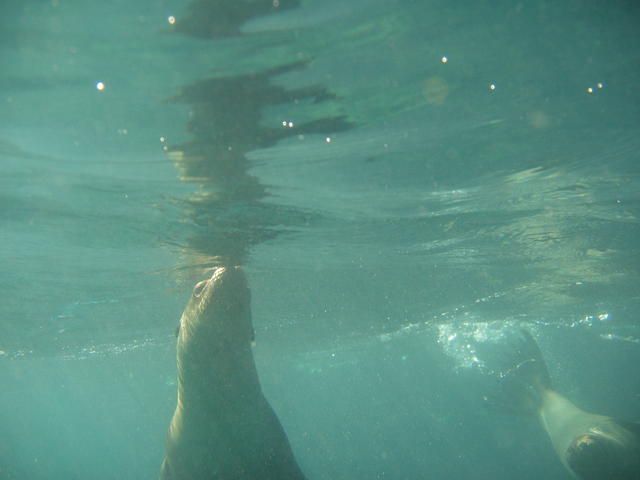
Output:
x=523 y=378
x=533 y=361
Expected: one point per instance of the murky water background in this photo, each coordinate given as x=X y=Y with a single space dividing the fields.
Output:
x=401 y=180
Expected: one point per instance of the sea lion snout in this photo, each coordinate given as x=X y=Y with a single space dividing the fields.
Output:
x=227 y=278
x=199 y=288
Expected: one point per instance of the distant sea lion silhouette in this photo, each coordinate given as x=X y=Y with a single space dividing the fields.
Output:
x=223 y=427
x=590 y=446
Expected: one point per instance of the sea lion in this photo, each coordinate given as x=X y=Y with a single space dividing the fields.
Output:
x=590 y=446
x=223 y=427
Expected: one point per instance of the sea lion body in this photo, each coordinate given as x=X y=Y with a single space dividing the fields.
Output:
x=223 y=427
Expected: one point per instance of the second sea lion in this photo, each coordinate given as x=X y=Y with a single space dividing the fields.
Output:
x=589 y=445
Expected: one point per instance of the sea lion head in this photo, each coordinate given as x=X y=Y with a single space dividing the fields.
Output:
x=605 y=451
x=219 y=308
x=215 y=332
x=214 y=340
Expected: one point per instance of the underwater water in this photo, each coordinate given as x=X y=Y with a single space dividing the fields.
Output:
x=402 y=181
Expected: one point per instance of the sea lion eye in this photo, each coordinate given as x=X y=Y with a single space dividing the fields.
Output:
x=197 y=290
